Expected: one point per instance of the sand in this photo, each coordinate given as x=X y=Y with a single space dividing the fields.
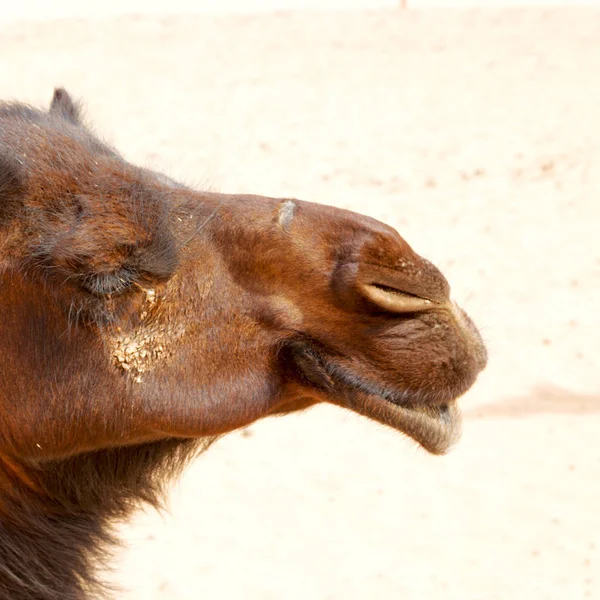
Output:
x=477 y=135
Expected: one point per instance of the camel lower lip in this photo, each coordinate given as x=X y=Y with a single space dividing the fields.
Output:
x=440 y=412
x=436 y=427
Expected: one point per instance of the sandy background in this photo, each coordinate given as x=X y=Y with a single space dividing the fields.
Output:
x=477 y=135
x=43 y=9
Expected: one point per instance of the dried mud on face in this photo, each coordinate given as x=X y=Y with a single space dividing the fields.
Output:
x=475 y=134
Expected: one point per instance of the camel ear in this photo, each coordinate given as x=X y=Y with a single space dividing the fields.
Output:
x=11 y=187
x=63 y=105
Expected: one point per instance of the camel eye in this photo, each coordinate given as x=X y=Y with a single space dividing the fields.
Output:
x=109 y=284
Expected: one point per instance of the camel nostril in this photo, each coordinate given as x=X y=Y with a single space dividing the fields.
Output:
x=394 y=300
x=363 y=286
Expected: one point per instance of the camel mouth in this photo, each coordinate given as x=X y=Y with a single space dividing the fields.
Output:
x=436 y=427
x=434 y=423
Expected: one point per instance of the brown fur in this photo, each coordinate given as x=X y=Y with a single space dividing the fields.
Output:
x=141 y=320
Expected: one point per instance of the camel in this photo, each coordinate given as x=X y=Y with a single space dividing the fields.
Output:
x=141 y=320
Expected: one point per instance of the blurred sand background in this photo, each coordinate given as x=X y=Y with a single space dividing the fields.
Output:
x=476 y=133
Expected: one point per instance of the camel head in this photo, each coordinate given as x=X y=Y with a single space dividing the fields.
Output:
x=136 y=309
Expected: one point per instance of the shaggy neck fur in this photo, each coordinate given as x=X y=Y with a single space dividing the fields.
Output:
x=57 y=518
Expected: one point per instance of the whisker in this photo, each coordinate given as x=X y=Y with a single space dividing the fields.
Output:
x=210 y=217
